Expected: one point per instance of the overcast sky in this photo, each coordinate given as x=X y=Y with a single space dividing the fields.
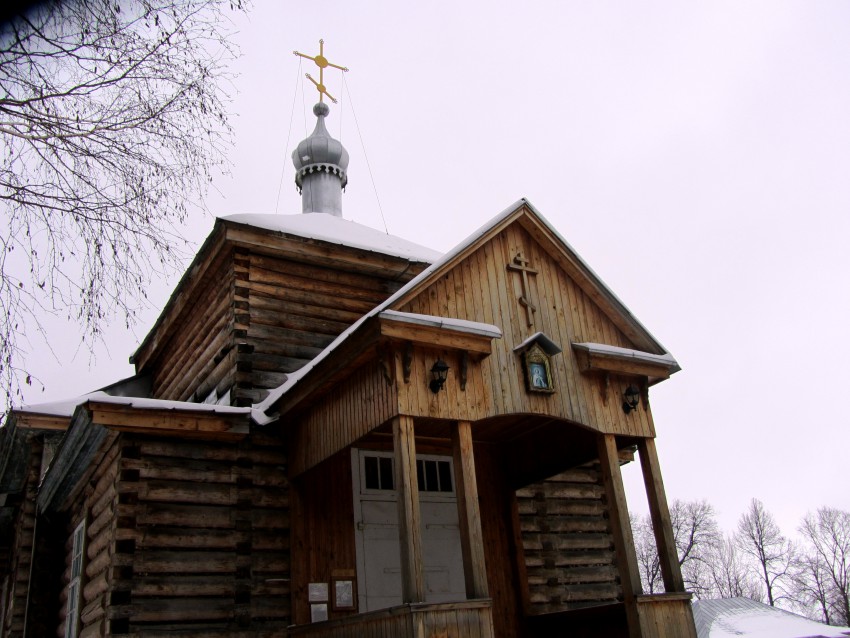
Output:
x=697 y=156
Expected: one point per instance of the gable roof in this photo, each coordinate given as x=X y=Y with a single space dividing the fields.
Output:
x=543 y=231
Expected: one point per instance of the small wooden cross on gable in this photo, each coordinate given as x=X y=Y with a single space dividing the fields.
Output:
x=521 y=265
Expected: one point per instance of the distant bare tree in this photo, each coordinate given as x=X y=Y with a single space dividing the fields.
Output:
x=695 y=532
x=646 y=550
x=729 y=575
x=771 y=553
x=826 y=563
x=112 y=118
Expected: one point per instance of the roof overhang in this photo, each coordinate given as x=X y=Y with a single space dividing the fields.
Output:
x=96 y=422
x=355 y=347
x=625 y=361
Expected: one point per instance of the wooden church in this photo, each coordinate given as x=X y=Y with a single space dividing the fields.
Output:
x=333 y=432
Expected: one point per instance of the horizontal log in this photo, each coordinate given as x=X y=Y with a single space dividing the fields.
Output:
x=202 y=471
x=275 y=319
x=180 y=585
x=184 y=515
x=170 y=610
x=568 y=541
x=289 y=267
x=303 y=309
x=302 y=297
x=183 y=562
x=558 y=524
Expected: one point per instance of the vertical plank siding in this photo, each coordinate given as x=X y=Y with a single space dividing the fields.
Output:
x=567 y=545
x=666 y=616
x=322 y=530
x=348 y=412
x=481 y=288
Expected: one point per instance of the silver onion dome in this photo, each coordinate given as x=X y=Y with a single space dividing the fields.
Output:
x=321 y=163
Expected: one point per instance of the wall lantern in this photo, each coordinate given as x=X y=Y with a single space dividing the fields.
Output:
x=439 y=372
x=631 y=398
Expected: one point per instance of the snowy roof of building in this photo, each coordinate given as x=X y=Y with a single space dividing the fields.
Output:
x=336 y=230
x=67 y=407
x=458 y=325
x=435 y=266
x=628 y=353
x=742 y=617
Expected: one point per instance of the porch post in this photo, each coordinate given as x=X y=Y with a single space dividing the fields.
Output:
x=618 y=513
x=661 y=524
x=469 y=514
x=409 y=517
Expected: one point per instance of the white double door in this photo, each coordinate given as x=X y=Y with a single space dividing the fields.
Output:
x=377 y=530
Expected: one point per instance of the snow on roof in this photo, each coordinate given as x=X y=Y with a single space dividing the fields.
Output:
x=336 y=230
x=549 y=347
x=293 y=378
x=742 y=617
x=66 y=408
x=460 y=325
x=604 y=348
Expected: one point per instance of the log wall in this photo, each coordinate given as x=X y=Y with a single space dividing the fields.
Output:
x=258 y=316
x=295 y=310
x=198 y=346
x=97 y=504
x=481 y=288
x=16 y=571
x=567 y=544
x=202 y=538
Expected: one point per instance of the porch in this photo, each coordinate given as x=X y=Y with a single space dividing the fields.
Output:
x=661 y=616
x=468 y=619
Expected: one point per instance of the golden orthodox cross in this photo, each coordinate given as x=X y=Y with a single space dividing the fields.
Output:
x=521 y=265
x=322 y=62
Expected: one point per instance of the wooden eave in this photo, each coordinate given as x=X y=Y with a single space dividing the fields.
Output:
x=321 y=253
x=189 y=424
x=624 y=362
x=363 y=344
x=96 y=422
x=14 y=456
x=36 y=421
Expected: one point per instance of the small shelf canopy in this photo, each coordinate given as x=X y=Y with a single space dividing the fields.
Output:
x=546 y=344
x=446 y=332
x=607 y=358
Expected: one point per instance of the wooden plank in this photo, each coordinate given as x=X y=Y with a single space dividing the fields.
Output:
x=410 y=523
x=618 y=513
x=436 y=337
x=469 y=515
x=660 y=513
x=127 y=418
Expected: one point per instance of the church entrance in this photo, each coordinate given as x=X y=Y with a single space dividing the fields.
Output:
x=377 y=530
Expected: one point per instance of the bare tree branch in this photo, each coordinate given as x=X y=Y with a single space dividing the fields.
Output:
x=112 y=120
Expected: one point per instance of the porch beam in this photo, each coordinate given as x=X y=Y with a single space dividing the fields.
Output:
x=469 y=514
x=662 y=526
x=618 y=514
x=409 y=516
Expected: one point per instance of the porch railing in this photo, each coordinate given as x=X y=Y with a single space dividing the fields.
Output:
x=469 y=619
